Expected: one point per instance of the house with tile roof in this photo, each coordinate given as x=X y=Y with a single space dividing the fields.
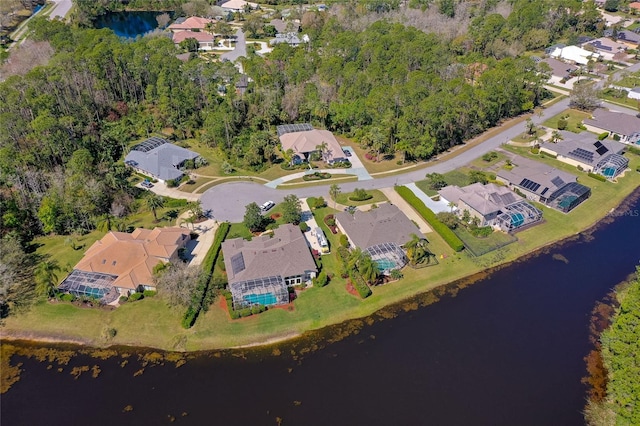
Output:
x=121 y=263
x=192 y=23
x=303 y=140
x=492 y=205
x=621 y=126
x=205 y=40
x=260 y=271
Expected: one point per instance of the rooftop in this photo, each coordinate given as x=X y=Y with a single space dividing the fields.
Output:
x=584 y=147
x=159 y=158
x=559 y=68
x=485 y=199
x=386 y=224
x=535 y=177
x=201 y=37
x=309 y=141
x=192 y=22
x=617 y=122
x=285 y=253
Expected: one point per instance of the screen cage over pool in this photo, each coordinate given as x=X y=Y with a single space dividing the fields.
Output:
x=517 y=215
x=260 y=291
x=611 y=166
x=90 y=284
x=388 y=256
x=569 y=197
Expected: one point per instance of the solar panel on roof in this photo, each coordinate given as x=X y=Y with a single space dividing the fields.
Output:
x=598 y=144
x=529 y=185
x=582 y=154
x=237 y=263
x=602 y=150
x=544 y=191
x=557 y=181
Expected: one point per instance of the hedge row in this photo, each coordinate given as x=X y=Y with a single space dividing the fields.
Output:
x=597 y=177
x=447 y=234
x=633 y=150
x=203 y=295
x=358 y=283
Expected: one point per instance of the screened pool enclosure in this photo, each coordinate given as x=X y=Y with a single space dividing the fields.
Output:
x=261 y=291
x=388 y=256
x=90 y=284
x=517 y=215
x=611 y=166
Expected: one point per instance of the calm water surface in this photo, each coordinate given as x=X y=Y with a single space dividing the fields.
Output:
x=506 y=351
x=128 y=24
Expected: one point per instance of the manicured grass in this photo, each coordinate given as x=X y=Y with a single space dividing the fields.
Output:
x=60 y=248
x=386 y=163
x=151 y=323
x=526 y=137
x=455 y=177
x=479 y=163
x=377 y=197
x=480 y=246
x=300 y=183
x=573 y=117
x=625 y=101
x=197 y=183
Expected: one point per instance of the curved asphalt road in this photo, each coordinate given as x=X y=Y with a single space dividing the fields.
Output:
x=228 y=201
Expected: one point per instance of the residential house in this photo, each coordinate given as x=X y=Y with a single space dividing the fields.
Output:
x=629 y=38
x=121 y=263
x=623 y=127
x=634 y=7
x=260 y=271
x=492 y=205
x=606 y=48
x=303 y=140
x=290 y=38
x=204 y=39
x=634 y=93
x=380 y=232
x=159 y=159
x=192 y=23
x=559 y=70
x=545 y=184
x=573 y=54
x=242 y=84
x=284 y=26
x=585 y=151
x=238 y=5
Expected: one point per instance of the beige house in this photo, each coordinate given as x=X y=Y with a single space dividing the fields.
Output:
x=122 y=263
x=621 y=126
x=205 y=40
x=582 y=150
x=192 y=23
x=304 y=142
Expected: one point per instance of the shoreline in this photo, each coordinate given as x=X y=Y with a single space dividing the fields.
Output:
x=266 y=340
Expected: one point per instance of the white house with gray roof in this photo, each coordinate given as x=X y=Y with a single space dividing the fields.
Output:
x=381 y=232
x=158 y=158
x=260 y=271
x=620 y=126
x=582 y=150
x=492 y=205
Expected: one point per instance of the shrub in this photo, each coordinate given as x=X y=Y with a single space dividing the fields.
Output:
x=304 y=227
x=447 y=234
x=149 y=293
x=321 y=280
x=358 y=283
x=598 y=177
x=136 y=296
x=319 y=203
x=633 y=150
x=489 y=156
x=396 y=274
x=123 y=299
x=616 y=138
x=68 y=297
x=603 y=136
x=330 y=221
x=360 y=195
x=344 y=241
x=562 y=124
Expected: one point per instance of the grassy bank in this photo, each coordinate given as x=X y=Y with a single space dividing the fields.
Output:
x=151 y=323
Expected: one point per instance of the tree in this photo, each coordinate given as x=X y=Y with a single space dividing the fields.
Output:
x=478 y=176
x=46 y=278
x=531 y=126
x=451 y=205
x=252 y=25
x=190 y=44
x=196 y=208
x=449 y=219
x=153 y=203
x=163 y=20
x=556 y=136
x=224 y=29
x=177 y=282
x=291 y=209
x=436 y=181
x=16 y=276
x=611 y=5
x=368 y=269
x=584 y=97
x=334 y=191
x=417 y=249
x=104 y=223
x=253 y=218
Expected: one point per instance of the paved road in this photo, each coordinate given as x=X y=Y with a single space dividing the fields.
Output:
x=228 y=201
x=240 y=50
x=60 y=9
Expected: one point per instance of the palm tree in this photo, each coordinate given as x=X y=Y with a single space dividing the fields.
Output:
x=334 y=191
x=46 y=277
x=196 y=208
x=105 y=222
x=556 y=136
x=451 y=205
x=417 y=249
x=355 y=258
x=368 y=269
x=154 y=202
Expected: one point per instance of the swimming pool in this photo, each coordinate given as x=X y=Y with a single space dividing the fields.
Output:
x=385 y=264
x=260 y=299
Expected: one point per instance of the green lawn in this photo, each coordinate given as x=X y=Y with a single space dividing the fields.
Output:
x=455 y=177
x=573 y=117
x=151 y=323
x=526 y=137
x=377 y=197
x=624 y=101
x=480 y=246
x=66 y=250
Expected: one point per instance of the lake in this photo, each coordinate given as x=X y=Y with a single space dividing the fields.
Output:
x=129 y=24
x=507 y=350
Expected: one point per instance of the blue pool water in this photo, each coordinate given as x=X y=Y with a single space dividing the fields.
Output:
x=260 y=299
x=385 y=264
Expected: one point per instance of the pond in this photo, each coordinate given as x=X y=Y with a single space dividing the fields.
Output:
x=507 y=350
x=129 y=24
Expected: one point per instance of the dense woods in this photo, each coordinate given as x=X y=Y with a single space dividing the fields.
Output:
x=65 y=126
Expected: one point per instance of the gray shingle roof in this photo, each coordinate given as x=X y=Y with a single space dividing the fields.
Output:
x=285 y=254
x=617 y=122
x=484 y=199
x=162 y=161
x=585 y=142
x=548 y=179
x=386 y=224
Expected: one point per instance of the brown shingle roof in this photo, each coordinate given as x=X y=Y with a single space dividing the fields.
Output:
x=132 y=257
x=386 y=224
